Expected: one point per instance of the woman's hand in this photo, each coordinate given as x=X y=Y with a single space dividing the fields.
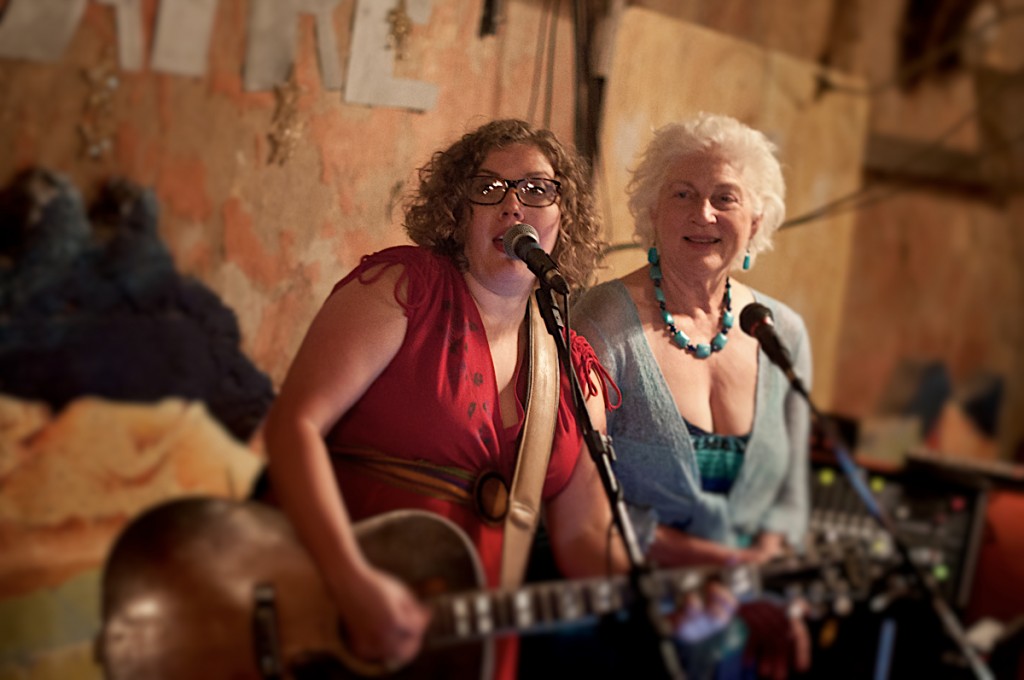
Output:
x=704 y=613
x=384 y=621
x=766 y=548
x=778 y=642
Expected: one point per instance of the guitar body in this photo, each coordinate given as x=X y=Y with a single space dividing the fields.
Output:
x=181 y=585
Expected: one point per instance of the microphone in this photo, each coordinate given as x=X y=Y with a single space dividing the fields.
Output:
x=523 y=243
x=756 y=320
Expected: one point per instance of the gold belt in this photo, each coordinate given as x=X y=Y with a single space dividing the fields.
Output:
x=487 y=493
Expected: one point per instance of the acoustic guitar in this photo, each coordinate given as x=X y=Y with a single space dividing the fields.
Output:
x=213 y=588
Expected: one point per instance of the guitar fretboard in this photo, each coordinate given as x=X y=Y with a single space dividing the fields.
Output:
x=460 y=617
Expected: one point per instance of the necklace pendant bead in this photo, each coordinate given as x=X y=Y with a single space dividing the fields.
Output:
x=702 y=351
x=727 y=319
x=719 y=342
x=681 y=340
x=667 y=318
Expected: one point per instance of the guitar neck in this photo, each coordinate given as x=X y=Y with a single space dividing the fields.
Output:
x=542 y=607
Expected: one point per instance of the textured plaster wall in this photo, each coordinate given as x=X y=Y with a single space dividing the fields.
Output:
x=935 y=272
x=936 y=278
x=272 y=239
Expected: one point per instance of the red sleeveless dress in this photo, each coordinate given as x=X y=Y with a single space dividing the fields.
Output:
x=437 y=401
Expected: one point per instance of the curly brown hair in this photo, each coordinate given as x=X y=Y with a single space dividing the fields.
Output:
x=437 y=214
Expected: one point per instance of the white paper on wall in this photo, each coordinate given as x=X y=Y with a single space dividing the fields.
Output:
x=270 y=43
x=130 y=50
x=270 y=47
x=326 y=41
x=371 y=61
x=39 y=30
x=183 y=32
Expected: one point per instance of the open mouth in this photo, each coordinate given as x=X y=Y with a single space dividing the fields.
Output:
x=702 y=240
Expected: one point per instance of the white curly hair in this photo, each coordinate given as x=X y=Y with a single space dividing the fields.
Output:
x=749 y=150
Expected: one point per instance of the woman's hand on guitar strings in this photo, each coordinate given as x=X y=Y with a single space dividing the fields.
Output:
x=704 y=614
x=384 y=621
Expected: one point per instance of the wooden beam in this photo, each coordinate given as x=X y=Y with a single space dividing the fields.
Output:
x=1000 y=96
x=996 y=168
x=908 y=160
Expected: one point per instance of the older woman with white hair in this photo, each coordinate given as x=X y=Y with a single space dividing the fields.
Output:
x=711 y=440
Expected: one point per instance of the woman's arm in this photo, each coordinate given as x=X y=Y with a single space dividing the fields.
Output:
x=674 y=548
x=352 y=339
x=579 y=519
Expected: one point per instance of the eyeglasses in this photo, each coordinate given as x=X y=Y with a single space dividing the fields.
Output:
x=534 y=192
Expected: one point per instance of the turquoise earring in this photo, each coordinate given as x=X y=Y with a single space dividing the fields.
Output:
x=746 y=260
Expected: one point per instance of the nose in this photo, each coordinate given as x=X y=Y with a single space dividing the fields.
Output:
x=515 y=207
x=708 y=213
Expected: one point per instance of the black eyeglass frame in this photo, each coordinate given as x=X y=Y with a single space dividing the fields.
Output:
x=514 y=184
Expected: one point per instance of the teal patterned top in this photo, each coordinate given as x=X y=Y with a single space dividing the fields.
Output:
x=719 y=458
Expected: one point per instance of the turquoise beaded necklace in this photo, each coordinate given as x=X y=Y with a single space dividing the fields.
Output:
x=701 y=351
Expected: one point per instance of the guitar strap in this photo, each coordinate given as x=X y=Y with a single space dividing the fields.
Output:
x=534 y=450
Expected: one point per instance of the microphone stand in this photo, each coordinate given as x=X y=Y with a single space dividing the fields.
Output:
x=644 y=610
x=851 y=470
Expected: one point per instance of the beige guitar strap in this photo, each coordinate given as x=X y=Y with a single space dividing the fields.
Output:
x=534 y=450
